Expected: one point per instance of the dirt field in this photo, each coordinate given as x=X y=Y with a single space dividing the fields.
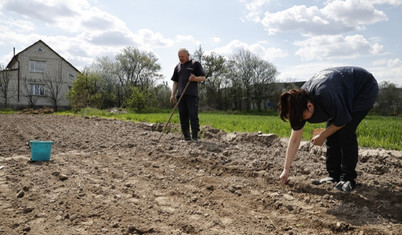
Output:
x=115 y=177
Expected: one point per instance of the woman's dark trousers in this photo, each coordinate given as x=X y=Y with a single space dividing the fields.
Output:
x=342 y=149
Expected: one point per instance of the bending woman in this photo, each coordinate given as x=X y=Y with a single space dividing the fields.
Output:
x=341 y=97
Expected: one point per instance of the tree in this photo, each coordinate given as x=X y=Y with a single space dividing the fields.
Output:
x=234 y=86
x=141 y=100
x=264 y=74
x=389 y=99
x=54 y=84
x=162 y=93
x=214 y=67
x=136 y=68
x=108 y=83
x=250 y=76
x=87 y=92
x=199 y=54
x=117 y=77
x=32 y=99
x=5 y=78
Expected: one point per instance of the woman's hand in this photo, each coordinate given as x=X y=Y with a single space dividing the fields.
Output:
x=293 y=146
x=284 y=176
x=318 y=140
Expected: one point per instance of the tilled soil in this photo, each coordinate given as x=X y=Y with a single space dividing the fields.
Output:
x=117 y=177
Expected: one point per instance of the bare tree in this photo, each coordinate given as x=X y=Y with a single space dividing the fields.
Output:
x=115 y=78
x=131 y=68
x=252 y=74
x=32 y=98
x=264 y=74
x=136 y=68
x=199 y=55
x=5 y=78
x=109 y=82
x=234 y=86
x=54 y=85
x=389 y=99
x=214 y=66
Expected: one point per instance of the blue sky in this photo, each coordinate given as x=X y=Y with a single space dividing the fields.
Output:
x=298 y=37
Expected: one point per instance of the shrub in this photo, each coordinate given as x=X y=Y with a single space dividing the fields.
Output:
x=141 y=101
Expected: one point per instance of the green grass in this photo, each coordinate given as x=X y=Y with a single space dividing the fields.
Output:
x=374 y=131
x=7 y=111
x=380 y=132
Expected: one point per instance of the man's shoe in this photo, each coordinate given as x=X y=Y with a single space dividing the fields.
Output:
x=195 y=136
x=186 y=134
x=323 y=180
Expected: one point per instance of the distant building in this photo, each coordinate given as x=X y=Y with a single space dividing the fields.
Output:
x=36 y=77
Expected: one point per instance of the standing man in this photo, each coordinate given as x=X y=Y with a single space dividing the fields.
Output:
x=341 y=97
x=187 y=70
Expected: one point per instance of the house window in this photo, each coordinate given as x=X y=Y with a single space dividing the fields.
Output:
x=70 y=75
x=37 y=66
x=37 y=89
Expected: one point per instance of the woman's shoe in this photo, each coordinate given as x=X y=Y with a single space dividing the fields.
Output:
x=323 y=180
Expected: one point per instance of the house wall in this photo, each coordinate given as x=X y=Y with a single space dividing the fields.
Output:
x=56 y=69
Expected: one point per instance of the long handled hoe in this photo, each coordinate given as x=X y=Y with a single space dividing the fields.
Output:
x=174 y=109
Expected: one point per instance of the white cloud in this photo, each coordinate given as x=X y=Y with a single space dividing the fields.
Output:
x=306 y=20
x=111 y=38
x=98 y=20
x=353 y=12
x=336 y=17
x=336 y=46
x=258 y=48
x=303 y=72
x=74 y=16
x=395 y=63
x=187 y=40
x=215 y=39
x=17 y=25
x=388 y=2
x=90 y=29
x=389 y=70
x=254 y=8
x=82 y=30
x=46 y=11
x=149 y=39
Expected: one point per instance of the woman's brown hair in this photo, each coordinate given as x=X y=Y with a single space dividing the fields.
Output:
x=292 y=104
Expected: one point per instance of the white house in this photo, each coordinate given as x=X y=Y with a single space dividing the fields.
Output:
x=36 y=77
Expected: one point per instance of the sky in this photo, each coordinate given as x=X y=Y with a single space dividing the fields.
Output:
x=299 y=37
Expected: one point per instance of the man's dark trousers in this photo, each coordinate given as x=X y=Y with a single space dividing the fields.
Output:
x=342 y=149
x=188 y=110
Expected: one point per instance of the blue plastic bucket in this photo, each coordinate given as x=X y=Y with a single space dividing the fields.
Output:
x=40 y=150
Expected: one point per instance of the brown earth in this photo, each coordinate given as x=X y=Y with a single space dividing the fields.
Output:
x=117 y=177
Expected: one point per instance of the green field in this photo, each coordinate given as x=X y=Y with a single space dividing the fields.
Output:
x=373 y=132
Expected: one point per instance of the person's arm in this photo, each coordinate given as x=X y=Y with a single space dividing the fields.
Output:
x=320 y=138
x=174 y=90
x=293 y=146
x=199 y=71
x=194 y=78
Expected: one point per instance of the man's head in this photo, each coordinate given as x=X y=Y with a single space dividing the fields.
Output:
x=184 y=55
